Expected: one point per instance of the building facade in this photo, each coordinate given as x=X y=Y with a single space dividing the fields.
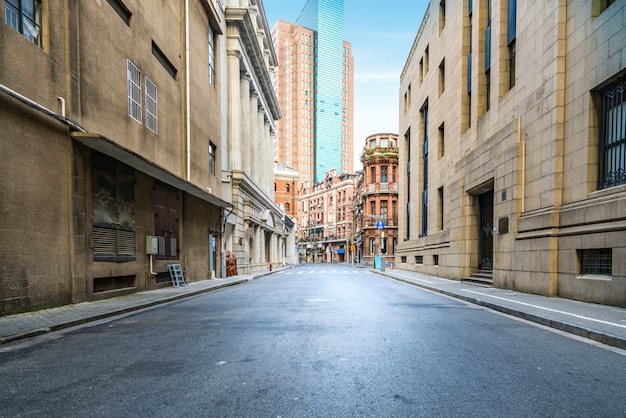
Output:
x=513 y=147
x=325 y=220
x=118 y=148
x=376 y=209
x=315 y=86
x=256 y=232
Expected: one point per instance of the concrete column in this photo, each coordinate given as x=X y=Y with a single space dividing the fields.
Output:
x=234 y=110
x=253 y=143
x=262 y=172
x=244 y=105
x=268 y=156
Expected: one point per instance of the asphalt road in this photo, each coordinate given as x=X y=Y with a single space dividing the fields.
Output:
x=315 y=341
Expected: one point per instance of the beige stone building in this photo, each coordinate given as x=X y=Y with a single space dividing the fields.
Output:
x=513 y=147
x=118 y=133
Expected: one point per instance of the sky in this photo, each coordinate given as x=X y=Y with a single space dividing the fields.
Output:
x=381 y=38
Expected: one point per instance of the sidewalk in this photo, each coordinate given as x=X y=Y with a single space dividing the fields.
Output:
x=29 y=324
x=605 y=324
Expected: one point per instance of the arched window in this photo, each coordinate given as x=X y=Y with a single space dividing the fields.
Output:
x=287 y=207
x=287 y=188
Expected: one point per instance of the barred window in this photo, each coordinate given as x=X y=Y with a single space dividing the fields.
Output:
x=596 y=261
x=25 y=17
x=612 y=131
x=151 y=106
x=134 y=90
x=211 y=56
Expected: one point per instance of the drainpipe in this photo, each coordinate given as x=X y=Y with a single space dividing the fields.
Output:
x=187 y=91
x=32 y=104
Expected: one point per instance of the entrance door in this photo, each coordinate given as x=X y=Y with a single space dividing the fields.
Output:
x=212 y=252
x=485 y=234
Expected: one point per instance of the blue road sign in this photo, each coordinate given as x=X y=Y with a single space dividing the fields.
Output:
x=380 y=225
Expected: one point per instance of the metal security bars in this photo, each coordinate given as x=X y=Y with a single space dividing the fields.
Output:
x=612 y=129
x=596 y=261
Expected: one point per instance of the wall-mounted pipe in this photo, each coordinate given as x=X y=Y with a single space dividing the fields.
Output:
x=31 y=103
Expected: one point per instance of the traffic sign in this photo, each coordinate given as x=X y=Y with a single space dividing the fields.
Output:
x=380 y=225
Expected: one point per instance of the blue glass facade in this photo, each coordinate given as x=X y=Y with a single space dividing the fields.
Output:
x=325 y=18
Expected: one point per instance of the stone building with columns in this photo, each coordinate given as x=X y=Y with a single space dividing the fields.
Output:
x=255 y=230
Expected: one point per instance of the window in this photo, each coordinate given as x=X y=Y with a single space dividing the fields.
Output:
x=372 y=245
x=510 y=37
x=612 y=131
x=25 y=17
x=113 y=215
x=595 y=261
x=373 y=208
x=384 y=142
x=383 y=211
x=488 y=57
x=441 y=209
x=211 y=56
x=442 y=140
x=151 y=106
x=442 y=77
x=121 y=10
x=442 y=15
x=163 y=60
x=287 y=207
x=134 y=90
x=419 y=259
x=598 y=6
x=373 y=175
x=407 y=153
x=383 y=174
x=424 y=114
x=212 y=149
x=287 y=188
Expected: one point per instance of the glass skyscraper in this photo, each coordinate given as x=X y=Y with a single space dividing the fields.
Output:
x=325 y=19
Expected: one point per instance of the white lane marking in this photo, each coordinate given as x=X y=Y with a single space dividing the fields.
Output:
x=548 y=309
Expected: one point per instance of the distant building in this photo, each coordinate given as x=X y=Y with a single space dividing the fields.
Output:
x=315 y=88
x=325 y=221
x=376 y=208
x=513 y=147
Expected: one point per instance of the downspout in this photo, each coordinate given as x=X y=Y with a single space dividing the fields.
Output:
x=187 y=99
x=30 y=103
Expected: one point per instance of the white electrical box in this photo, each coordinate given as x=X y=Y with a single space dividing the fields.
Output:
x=152 y=245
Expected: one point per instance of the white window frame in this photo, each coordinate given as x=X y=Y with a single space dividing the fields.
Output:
x=152 y=119
x=211 y=47
x=133 y=76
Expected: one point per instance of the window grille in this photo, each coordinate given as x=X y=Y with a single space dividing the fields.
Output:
x=151 y=106
x=134 y=90
x=612 y=121
x=211 y=56
x=596 y=261
x=419 y=259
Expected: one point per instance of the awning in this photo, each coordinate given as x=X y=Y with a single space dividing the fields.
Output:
x=104 y=145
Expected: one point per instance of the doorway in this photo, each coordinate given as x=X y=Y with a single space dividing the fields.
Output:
x=485 y=232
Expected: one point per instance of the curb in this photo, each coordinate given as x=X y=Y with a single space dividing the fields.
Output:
x=585 y=332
